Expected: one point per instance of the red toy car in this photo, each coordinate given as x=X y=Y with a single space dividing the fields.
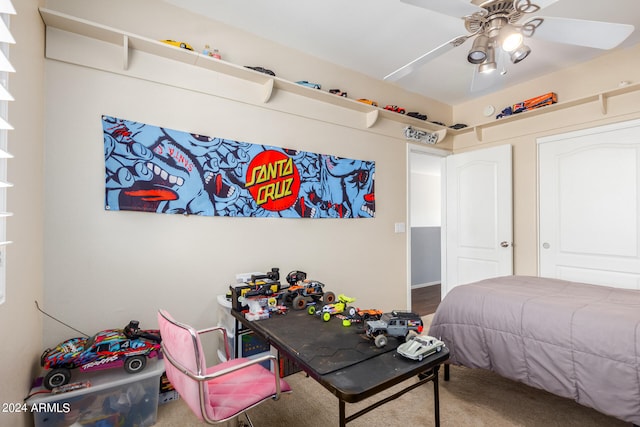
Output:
x=129 y=347
x=395 y=108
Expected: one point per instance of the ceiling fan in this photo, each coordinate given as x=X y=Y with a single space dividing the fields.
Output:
x=499 y=34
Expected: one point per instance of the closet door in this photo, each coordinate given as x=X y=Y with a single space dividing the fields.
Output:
x=589 y=188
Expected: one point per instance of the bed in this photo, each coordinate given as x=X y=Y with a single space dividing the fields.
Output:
x=572 y=339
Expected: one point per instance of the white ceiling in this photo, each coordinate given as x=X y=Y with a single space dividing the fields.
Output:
x=376 y=37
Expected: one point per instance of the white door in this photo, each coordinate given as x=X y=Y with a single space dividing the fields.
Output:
x=589 y=214
x=478 y=226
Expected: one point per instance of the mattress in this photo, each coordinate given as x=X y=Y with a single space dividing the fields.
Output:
x=572 y=339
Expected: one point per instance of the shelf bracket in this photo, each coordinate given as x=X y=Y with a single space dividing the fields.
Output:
x=267 y=91
x=125 y=53
x=602 y=98
x=371 y=118
x=478 y=131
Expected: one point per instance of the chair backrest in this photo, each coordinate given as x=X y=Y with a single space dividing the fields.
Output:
x=181 y=346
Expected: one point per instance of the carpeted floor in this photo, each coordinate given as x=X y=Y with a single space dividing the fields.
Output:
x=471 y=398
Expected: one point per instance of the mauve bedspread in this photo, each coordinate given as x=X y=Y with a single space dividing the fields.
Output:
x=572 y=339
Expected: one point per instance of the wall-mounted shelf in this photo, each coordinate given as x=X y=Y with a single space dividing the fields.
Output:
x=266 y=85
x=602 y=98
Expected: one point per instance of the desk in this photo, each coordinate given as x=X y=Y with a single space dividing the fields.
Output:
x=344 y=360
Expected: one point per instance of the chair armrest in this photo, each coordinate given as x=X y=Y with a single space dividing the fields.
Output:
x=224 y=334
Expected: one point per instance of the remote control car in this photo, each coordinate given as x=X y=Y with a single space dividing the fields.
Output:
x=367 y=314
x=262 y=70
x=129 y=347
x=395 y=108
x=339 y=307
x=178 y=44
x=308 y=84
x=338 y=92
x=418 y=347
x=417 y=115
x=458 y=126
x=395 y=324
x=368 y=101
x=305 y=292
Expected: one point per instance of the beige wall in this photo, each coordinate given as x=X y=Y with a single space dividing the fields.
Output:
x=21 y=330
x=104 y=268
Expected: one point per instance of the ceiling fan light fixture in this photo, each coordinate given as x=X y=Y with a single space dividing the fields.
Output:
x=520 y=53
x=510 y=38
x=478 y=52
x=489 y=65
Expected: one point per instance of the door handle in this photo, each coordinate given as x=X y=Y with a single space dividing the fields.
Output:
x=505 y=244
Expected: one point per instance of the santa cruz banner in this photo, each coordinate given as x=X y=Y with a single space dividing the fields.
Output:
x=155 y=169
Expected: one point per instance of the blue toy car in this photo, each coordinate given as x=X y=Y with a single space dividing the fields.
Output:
x=308 y=84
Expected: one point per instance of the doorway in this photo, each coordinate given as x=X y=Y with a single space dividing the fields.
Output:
x=425 y=225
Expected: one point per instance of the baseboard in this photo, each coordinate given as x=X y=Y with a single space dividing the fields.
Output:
x=424 y=285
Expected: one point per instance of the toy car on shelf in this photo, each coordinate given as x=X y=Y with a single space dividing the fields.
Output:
x=305 y=292
x=338 y=92
x=417 y=115
x=418 y=347
x=128 y=347
x=309 y=84
x=395 y=108
x=178 y=44
x=338 y=307
x=395 y=324
x=368 y=101
x=458 y=126
x=262 y=70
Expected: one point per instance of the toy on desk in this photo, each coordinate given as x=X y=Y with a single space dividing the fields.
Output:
x=418 y=347
x=304 y=292
x=256 y=309
x=128 y=347
x=364 y=315
x=335 y=308
x=399 y=324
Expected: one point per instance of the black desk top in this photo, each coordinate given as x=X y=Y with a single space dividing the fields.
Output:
x=341 y=358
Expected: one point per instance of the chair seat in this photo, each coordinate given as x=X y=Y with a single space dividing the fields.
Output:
x=233 y=393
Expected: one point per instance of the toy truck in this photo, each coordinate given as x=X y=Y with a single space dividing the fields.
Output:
x=307 y=291
x=394 y=324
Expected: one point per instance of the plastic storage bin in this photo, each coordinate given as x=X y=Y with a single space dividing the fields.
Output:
x=114 y=398
x=227 y=321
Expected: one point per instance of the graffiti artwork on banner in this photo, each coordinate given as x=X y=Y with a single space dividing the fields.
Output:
x=155 y=169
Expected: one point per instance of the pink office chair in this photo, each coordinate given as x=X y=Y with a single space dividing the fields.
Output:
x=221 y=392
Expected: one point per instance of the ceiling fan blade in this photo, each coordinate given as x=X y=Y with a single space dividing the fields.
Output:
x=596 y=34
x=455 y=8
x=421 y=60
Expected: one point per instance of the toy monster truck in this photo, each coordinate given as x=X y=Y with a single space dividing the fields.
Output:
x=395 y=324
x=308 y=291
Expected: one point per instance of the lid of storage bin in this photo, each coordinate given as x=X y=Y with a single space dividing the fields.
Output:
x=101 y=380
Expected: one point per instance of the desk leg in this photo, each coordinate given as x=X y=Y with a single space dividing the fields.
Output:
x=436 y=395
x=343 y=415
x=446 y=372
